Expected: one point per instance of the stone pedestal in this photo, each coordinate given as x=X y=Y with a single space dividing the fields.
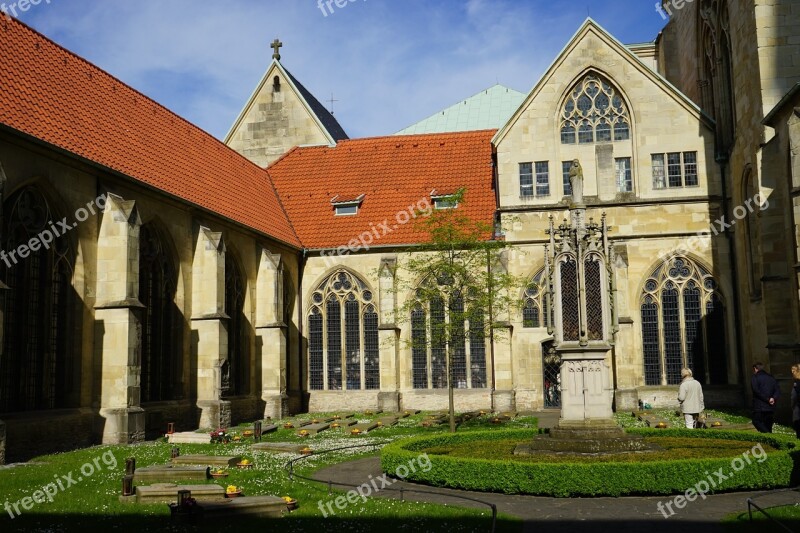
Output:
x=389 y=402
x=276 y=405
x=123 y=426
x=586 y=388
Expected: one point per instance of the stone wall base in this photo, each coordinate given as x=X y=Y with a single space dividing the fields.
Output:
x=389 y=402
x=504 y=400
x=122 y=426
x=276 y=405
x=214 y=414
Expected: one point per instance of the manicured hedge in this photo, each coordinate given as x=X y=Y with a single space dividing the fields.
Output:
x=599 y=479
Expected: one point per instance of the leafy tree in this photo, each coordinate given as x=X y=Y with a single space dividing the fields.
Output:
x=461 y=287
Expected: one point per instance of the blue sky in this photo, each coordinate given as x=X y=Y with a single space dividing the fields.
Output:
x=389 y=63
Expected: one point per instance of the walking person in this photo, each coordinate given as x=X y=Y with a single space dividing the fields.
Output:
x=765 y=394
x=690 y=395
x=796 y=399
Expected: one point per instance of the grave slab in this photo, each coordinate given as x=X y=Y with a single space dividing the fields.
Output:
x=313 y=429
x=322 y=420
x=387 y=421
x=277 y=447
x=170 y=472
x=212 y=460
x=365 y=427
x=168 y=493
x=189 y=437
x=344 y=423
x=264 y=506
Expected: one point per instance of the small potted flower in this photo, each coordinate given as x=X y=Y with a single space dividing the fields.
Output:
x=219 y=473
x=303 y=433
x=497 y=420
x=355 y=432
x=237 y=438
x=220 y=436
x=288 y=425
x=245 y=464
x=248 y=433
x=306 y=451
x=291 y=503
x=336 y=425
x=233 y=491
x=315 y=421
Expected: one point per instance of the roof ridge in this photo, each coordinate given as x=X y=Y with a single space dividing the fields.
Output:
x=396 y=138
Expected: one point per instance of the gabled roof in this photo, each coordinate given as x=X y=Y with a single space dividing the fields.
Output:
x=488 y=109
x=590 y=26
x=326 y=122
x=59 y=98
x=394 y=173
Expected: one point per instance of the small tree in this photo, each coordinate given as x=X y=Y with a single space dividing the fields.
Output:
x=458 y=280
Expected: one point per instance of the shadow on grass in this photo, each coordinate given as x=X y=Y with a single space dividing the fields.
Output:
x=287 y=524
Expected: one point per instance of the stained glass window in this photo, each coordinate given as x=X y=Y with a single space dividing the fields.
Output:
x=344 y=352
x=683 y=324
x=596 y=111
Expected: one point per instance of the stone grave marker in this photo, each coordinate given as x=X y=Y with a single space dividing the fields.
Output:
x=168 y=493
x=170 y=472
x=365 y=427
x=189 y=437
x=313 y=429
x=212 y=460
x=263 y=506
x=277 y=447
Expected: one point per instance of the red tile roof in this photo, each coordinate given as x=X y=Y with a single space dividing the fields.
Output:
x=52 y=94
x=393 y=173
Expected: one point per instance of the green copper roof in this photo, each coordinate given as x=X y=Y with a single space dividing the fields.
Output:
x=489 y=109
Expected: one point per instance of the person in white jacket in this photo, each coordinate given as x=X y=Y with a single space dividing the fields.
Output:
x=690 y=395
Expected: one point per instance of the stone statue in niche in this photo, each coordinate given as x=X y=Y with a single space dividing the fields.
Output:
x=576 y=181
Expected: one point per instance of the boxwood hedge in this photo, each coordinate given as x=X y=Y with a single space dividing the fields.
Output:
x=779 y=469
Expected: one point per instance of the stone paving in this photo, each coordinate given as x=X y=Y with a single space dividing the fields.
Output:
x=584 y=515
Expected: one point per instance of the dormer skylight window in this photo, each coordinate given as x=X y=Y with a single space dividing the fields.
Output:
x=343 y=208
x=444 y=201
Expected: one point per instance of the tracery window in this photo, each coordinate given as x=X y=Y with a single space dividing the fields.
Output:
x=344 y=353
x=535 y=311
x=429 y=347
x=235 y=371
x=594 y=111
x=683 y=324
x=160 y=325
x=718 y=92
x=37 y=364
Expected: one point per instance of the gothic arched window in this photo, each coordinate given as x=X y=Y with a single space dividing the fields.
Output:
x=535 y=312
x=344 y=353
x=160 y=326
x=236 y=370
x=596 y=111
x=683 y=324
x=38 y=360
x=717 y=66
x=440 y=325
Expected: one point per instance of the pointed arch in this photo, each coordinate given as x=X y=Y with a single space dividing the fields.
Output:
x=161 y=324
x=236 y=370
x=594 y=110
x=716 y=76
x=39 y=365
x=535 y=310
x=683 y=323
x=344 y=352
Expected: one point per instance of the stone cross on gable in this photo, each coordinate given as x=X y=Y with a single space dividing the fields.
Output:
x=276 y=45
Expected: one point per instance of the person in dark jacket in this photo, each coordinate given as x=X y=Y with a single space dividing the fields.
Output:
x=796 y=399
x=765 y=395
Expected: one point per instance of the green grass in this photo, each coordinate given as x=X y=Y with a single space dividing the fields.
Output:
x=788 y=515
x=674 y=449
x=735 y=416
x=92 y=504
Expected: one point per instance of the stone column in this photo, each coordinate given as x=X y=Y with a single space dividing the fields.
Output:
x=271 y=331
x=117 y=323
x=209 y=327
x=388 y=337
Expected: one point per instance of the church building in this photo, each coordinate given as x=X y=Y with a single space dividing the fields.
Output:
x=153 y=274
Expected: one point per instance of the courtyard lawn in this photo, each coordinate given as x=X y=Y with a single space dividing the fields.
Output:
x=89 y=499
x=736 y=416
x=787 y=515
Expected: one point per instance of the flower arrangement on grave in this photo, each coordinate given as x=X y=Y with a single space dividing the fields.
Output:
x=336 y=425
x=306 y=451
x=315 y=421
x=496 y=420
x=288 y=425
x=291 y=503
x=245 y=463
x=220 y=436
x=303 y=433
x=219 y=473
x=248 y=433
x=237 y=438
x=355 y=431
x=379 y=423
x=367 y=413
x=233 y=491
